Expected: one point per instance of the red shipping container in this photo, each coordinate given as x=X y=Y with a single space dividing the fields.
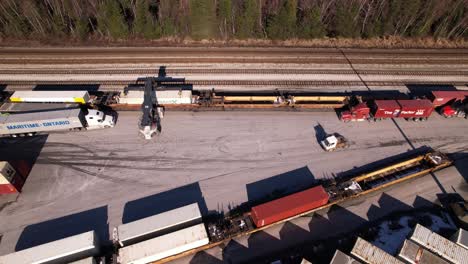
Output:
x=288 y=206
x=440 y=98
x=415 y=108
x=385 y=108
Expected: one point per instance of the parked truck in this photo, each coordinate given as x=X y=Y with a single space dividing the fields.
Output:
x=415 y=109
x=450 y=103
x=29 y=124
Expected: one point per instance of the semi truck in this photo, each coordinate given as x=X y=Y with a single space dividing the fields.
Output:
x=416 y=110
x=29 y=124
x=13 y=175
x=450 y=103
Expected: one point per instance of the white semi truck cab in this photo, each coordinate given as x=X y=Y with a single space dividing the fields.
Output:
x=98 y=119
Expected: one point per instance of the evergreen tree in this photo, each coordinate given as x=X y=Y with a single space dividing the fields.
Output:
x=111 y=21
x=345 y=23
x=202 y=19
x=311 y=25
x=225 y=18
x=141 y=21
x=247 y=25
x=283 y=25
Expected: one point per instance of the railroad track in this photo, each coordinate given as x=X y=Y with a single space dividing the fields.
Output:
x=214 y=83
x=183 y=72
x=258 y=60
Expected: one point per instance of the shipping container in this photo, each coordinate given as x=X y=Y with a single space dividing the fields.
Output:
x=461 y=238
x=371 y=254
x=414 y=254
x=35 y=107
x=65 y=250
x=439 y=245
x=342 y=258
x=415 y=108
x=11 y=179
x=164 y=246
x=160 y=224
x=440 y=98
x=162 y=96
x=385 y=108
x=288 y=206
x=81 y=97
x=41 y=121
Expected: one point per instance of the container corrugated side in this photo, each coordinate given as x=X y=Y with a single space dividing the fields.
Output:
x=439 y=245
x=386 y=108
x=60 y=251
x=461 y=238
x=369 y=253
x=289 y=206
x=164 y=246
x=415 y=108
x=413 y=253
x=81 y=97
x=144 y=228
x=40 y=121
x=341 y=258
x=163 y=97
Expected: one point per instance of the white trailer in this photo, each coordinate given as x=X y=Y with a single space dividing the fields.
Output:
x=461 y=238
x=341 y=258
x=28 y=124
x=64 y=250
x=414 y=254
x=368 y=253
x=164 y=246
x=80 y=97
x=162 y=96
x=439 y=245
x=159 y=224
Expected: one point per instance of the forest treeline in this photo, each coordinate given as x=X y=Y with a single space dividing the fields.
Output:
x=232 y=19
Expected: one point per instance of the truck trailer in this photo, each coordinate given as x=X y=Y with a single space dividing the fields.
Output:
x=416 y=110
x=29 y=124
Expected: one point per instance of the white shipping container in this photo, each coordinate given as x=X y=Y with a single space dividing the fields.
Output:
x=163 y=97
x=342 y=258
x=142 y=229
x=35 y=107
x=81 y=97
x=461 y=238
x=439 y=245
x=164 y=246
x=414 y=254
x=41 y=121
x=60 y=251
x=371 y=254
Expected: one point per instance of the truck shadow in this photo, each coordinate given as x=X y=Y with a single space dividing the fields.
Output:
x=95 y=219
x=165 y=201
x=320 y=133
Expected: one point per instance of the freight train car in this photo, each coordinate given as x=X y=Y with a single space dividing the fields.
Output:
x=368 y=253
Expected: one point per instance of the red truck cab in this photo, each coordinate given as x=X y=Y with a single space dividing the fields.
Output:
x=359 y=112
